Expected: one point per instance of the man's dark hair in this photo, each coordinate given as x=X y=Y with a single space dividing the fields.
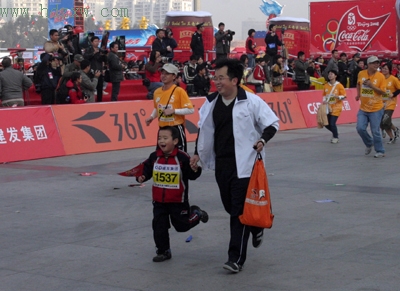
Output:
x=52 y=31
x=334 y=51
x=271 y=26
x=194 y=57
x=221 y=23
x=299 y=54
x=112 y=44
x=6 y=62
x=343 y=55
x=158 y=30
x=334 y=71
x=94 y=38
x=200 y=67
x=360 y=60
x=235 y=68
x=85 y=64
x=75 y=76
x=173 y=130
x=250 y=31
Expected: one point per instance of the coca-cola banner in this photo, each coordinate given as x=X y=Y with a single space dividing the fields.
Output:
x=354 y=25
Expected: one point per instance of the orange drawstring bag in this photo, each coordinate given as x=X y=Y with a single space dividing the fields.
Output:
x=257 y=206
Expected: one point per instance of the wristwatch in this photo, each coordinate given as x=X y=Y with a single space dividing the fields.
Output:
x=262 y=140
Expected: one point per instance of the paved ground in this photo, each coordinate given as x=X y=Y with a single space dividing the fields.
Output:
x=62 y=231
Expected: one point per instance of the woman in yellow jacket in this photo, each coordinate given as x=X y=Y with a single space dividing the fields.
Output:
x=390 y=102
x=333 y=94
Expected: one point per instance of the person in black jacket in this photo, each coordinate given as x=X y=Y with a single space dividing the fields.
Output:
x=47 y=75
x=201 y=81
x=96 y=57
x=272 y=41
x=170 y=43
x=159 y=43
x=196 y=44
x=116 y=67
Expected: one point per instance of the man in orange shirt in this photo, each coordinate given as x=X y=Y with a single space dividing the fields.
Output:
x=171 y=104
x=371 y=85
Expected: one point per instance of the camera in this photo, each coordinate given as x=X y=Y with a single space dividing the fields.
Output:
x=231 y=32
x=165 y=59
x=85 y=95
x=283 y=29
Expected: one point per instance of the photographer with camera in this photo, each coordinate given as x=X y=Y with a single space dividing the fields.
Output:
x=223 y=40
x=46 y=77
x=272 y=42
x=54 y=46
x=75 y=94
x=171 y=44
x=88 y=84
x=97 y=56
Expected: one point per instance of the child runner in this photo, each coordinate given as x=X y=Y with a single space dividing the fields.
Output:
x=170 y=169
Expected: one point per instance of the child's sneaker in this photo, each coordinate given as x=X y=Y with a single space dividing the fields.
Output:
x=162 y=257
x=201 y=213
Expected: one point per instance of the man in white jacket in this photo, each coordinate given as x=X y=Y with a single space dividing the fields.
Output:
x=234 y=126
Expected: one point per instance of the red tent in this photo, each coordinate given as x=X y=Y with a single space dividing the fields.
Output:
x=344 y=48
x=378 y=49
x=314 y=51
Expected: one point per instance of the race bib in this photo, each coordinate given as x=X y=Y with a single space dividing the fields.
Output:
x=385 y=97
x=271 y=45
x=367 y=92
x=163 y=117
x=330 y=99
x=166 y=176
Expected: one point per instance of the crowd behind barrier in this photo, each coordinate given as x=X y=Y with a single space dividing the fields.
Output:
x=35 y=132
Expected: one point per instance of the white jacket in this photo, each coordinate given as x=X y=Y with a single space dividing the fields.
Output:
x=251 y=115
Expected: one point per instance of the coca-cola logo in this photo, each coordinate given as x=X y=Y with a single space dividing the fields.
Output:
x=356 y=30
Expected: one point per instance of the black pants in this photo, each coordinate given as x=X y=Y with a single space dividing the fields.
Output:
x=115 y=90
x=181 y=218
x=233 y=194
x=303 y=86
x=48 y=96
x=221 y=56
x=332 y=125
x=99 y=89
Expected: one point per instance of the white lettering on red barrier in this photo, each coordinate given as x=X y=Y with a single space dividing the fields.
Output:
x=27 y=135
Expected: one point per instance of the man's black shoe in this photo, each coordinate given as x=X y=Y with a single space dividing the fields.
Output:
x=258 y=238
x=162 y=257
x=233 y=267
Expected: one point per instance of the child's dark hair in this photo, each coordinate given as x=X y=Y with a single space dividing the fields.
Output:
x=173 y=130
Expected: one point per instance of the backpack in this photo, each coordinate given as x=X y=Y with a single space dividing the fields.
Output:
x=62 y=92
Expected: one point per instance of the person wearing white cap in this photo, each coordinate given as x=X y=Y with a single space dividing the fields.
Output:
x=171 y=104
x=371 y=86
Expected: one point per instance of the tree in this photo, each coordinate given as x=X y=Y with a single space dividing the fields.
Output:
x=25 y=31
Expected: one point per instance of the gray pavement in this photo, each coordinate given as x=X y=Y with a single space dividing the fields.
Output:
x=62 y=231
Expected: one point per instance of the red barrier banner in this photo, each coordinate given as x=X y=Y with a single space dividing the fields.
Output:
x=99 y=127
x=310 y=101
x=28 y=133
x=286 y=106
